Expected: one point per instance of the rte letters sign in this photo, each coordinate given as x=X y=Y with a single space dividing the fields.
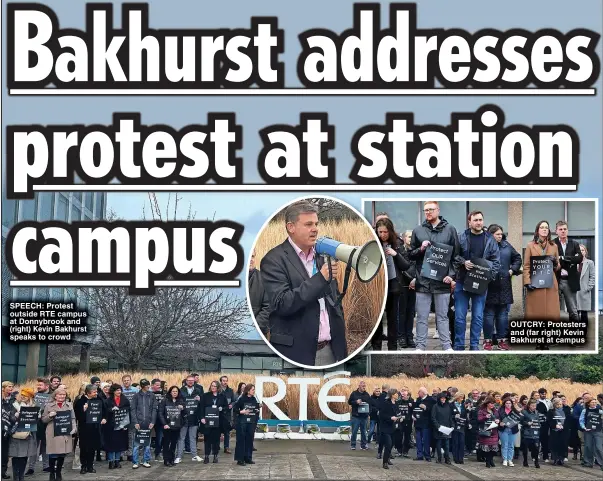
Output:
x=332 y=379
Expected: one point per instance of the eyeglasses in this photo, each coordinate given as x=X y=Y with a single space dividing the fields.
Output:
x=429 y=210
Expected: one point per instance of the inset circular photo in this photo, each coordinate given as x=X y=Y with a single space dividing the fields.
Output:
x=317 y=285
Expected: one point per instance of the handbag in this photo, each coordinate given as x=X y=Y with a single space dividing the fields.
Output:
x=21 y=435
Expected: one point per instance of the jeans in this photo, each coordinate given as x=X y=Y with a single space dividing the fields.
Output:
x=358 y=423
x=373 y=429
x=423 y=305
x=496 y=314
x=507 y=440
x=158 y=439
x=443 y=443
x=423 y=438
x=593 y=448
x=461 y=306
x=113 y=455
x=571 y=302
x=458 y=445
x=190 y=433
x=146 y=456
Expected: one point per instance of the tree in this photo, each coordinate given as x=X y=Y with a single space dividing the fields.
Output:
x=172 y=326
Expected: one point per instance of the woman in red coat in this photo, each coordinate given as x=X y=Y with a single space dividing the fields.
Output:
x=488 y=436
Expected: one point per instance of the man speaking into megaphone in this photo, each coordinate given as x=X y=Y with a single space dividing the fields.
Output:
x=304 y=327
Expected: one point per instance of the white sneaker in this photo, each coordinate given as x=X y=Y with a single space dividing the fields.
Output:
x=419 y=349
x=146 y=465
x=135 y=466
x=177 y=461
x=197 y=458
x=565 y=460
x=449 y=350
x=511 y=463
x=436 y=335
x=505 y=463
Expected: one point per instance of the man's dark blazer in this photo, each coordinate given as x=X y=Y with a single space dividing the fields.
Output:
x=295 y=311
x=260 y=305
x=574 y=257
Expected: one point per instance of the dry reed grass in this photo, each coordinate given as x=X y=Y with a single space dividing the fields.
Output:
x=290 y=404
x=362 y=303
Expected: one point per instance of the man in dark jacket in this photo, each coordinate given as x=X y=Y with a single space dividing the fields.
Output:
x=421 y=415
x=228 y=393
x=475 y=243
x=7 y=405
x=306 y=326
x=143 y=413
x=360 y=400
x=568 y=277
x=434 y=229
x=260 y=305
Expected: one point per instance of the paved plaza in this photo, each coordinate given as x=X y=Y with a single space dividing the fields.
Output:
x=278 y=459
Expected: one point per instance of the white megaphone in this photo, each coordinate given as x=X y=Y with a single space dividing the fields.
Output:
x=365 y=260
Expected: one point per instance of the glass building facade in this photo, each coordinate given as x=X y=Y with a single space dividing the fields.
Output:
x=45 y=206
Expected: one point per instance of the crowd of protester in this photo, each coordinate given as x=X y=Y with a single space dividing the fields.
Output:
x=123 y=422
x=413 y=292
x=449 y=424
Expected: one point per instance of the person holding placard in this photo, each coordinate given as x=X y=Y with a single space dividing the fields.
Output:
x=247 y=408
x=407 y=299
x=118 y=421
x=171 y=415
x=7 y=405
x=488 y=420
x=421 y=411
x=397 y=264
x=23 y=442
x=41 y=397
x=59 y=418
x=461 y=418
x=91 y=414
x=433 y=246
x=500 y=292
x=557 y=440
x=191 y=394
x=442 y=420
x=213 y=407
x=144 y=415
x=360 y=400
x=531 y=433
x=510 y=419
x=591 y=421
x=477 y=265
x=387 y=419
x=404 y=429
x=540 y=262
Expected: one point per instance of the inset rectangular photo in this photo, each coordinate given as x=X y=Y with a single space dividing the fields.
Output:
x=489 y=275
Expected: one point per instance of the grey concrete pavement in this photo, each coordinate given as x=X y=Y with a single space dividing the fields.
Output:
x=326 y=460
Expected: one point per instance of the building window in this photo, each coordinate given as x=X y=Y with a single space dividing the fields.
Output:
x=89 y=200
x=99 y=206
x=9 y=212
x=42 y=294
x=46 y=201
x=252 y=362
x=76 y=213
x=27 y=209
x=534 y=211
x=581 y=215
x=454 y=212
x=63 y=209
x=496 y=212
x=402 y=214
x=230 y=362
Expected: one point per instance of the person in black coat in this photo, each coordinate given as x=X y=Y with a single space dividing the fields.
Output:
x=260 y=304
x=404 y=425
x=397 y=263
x=116 y=438
x=556 y=421
x=387 y=419
x=568 y=277
x=361 y=401
x=247 y=409
x=421 y=415
x=407 y=298
x=500 y=292
x=442 y=416
x=300 y=288
x=89 y=427
x=172 y=416
x=213 y=409
x=374 y=416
